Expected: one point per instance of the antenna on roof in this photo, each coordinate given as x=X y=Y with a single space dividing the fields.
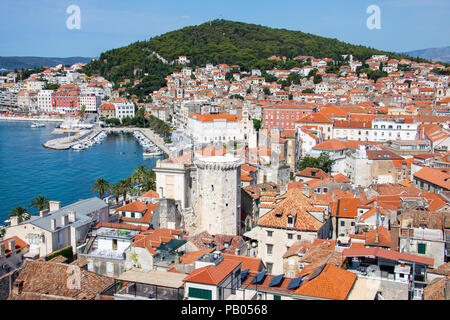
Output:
x=378 y=216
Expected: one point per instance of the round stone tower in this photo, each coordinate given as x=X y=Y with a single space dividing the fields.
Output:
x=217 y=203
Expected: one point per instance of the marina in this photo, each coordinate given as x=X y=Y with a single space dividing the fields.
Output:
x=83 y=139
x=30 y=170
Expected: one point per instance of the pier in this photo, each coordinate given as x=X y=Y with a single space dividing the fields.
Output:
x=67 y=142
x=149 y=134
x=86 y=135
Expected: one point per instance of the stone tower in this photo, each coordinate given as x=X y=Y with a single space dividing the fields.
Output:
x=217 y=203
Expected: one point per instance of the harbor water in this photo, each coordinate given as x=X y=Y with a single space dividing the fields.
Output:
x=27 y=169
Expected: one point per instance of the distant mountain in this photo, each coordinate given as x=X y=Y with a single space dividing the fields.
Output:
x=12 y=63
x=435 y=54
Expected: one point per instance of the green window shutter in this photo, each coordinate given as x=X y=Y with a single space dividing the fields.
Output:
x=200 y=293
x=422 y=248
x=275 y=297
x=342 y=223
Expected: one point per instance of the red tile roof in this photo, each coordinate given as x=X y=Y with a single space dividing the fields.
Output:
x=254 y=264
x=332 y=283
x=296 y=204
x=435 y=176
x=213 y=275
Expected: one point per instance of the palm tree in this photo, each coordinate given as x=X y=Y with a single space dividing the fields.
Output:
x=126 y=186
x=116 y=190
x=139 y=174
x=149 y=182
x=101 y=186
x=20 y=212
x=40 y=203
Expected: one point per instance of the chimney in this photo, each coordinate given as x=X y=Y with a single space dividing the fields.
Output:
x=53 y=224
x=54 y=205
x=64 y=220
x=12 y=245
x=13 y=221
x=44 y=213
x=72 y=216
x=2 y=250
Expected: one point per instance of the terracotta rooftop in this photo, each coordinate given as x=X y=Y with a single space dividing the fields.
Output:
x=297 y=205
x=434 y=176
x=45 y=279
x=213 y=275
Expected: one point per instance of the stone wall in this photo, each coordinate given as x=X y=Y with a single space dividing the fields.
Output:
x=6 y=282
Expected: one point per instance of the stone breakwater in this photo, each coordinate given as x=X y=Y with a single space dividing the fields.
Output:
x=67 y=142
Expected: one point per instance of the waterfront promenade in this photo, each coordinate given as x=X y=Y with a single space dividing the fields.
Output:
x=43 y=119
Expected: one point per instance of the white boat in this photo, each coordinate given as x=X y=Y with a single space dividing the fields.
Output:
x=78 y=147
x=152 y=152
x=37 y=125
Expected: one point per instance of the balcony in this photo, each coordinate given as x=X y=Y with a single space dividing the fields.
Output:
x=140 y=291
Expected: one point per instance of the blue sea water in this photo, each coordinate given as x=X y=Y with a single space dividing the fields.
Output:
x=27 y=169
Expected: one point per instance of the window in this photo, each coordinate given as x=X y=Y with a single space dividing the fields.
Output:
x=200 y=293
x=276 y=297
x=269 y=249
x=290 y=236
x=114 y=244
x=299 y=237
x=422 y=248
x=269 y=267
x=269 y=233
x=290 y=219
x=109 y=267
x=342 y=223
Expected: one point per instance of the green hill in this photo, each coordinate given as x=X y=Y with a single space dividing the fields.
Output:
x=218 y=41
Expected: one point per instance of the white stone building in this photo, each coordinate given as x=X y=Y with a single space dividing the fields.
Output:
x=45 y=100
x=124 y=109
x=90 y=101
x=208 y=128
x=393 y=129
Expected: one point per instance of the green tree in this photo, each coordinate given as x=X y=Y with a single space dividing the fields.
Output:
x=266 y=91
x=116 y=191
x=322 y=162
x=126 y=185
x=40 y=203
x=257 y=124
x=101 y=186
x=308 y=90
x=317 y=79
x=113 y=121
x=82 y=112
x=229 y=76
x=20 y=212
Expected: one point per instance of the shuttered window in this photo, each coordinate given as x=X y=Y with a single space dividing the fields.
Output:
x=422 y=248
x=200 y=293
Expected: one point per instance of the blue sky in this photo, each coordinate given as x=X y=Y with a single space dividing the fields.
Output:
x=38 y=27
